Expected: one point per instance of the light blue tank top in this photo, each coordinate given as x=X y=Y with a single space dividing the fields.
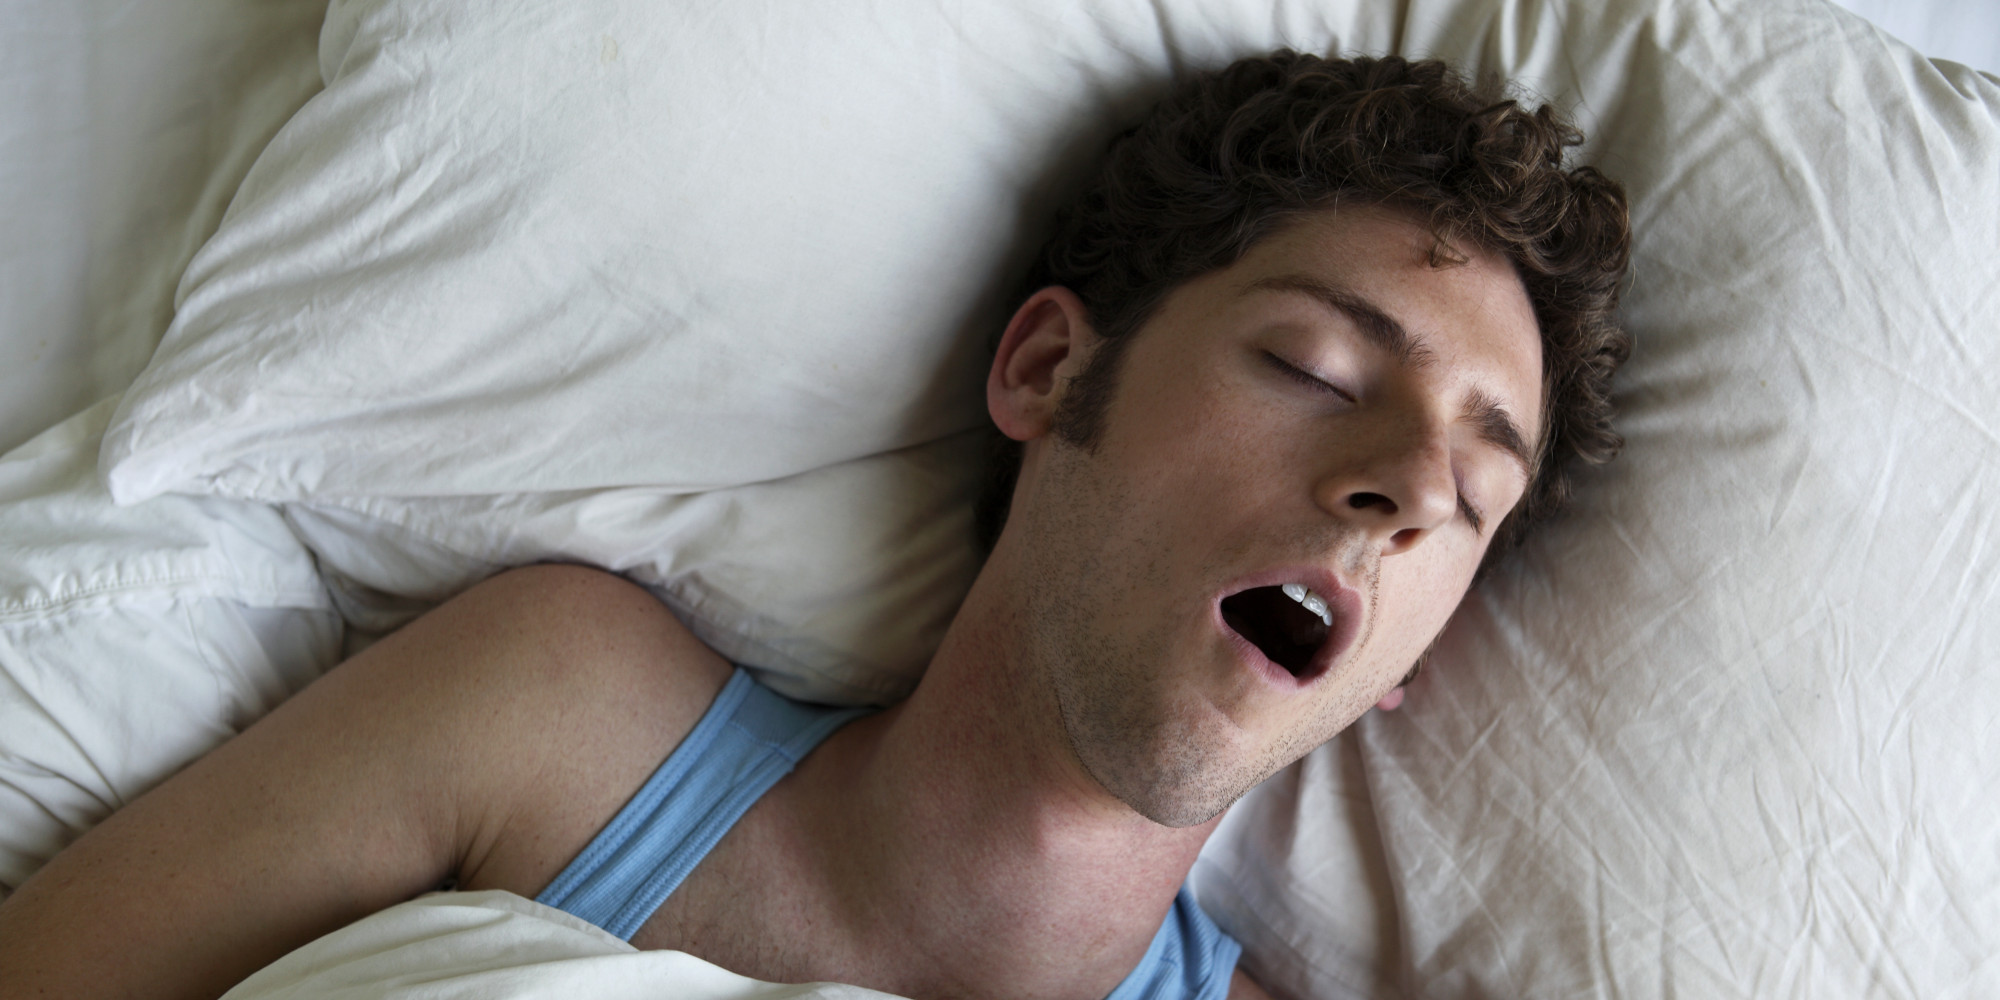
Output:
x=748 y=739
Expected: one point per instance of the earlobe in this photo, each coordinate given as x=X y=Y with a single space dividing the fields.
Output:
x=1394 y=699
x=1042 y=349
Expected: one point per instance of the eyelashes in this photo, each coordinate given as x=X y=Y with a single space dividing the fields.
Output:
x=1306 y=378
x=1471 y=516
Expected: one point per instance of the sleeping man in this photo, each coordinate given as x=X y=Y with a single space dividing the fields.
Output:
x=1313 y=346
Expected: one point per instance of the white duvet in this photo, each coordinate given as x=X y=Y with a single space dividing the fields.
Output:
x=497 y=946
x=132 y=639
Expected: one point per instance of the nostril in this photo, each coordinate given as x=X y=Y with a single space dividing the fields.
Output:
x=1363 y=501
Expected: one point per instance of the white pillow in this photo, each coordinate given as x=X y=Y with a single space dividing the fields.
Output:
x=709 y=246
x=1722 y=732
x=560 y=248
x=1728 y=730
x=833 y=585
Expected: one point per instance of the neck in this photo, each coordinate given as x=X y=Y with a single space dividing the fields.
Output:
x=967 y=827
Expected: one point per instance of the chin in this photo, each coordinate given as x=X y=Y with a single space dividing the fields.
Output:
x=1180 y=777
x=1174 y=801
x=1179 y=813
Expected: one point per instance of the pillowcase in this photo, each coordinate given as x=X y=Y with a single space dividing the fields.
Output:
x=1726 y=731
x=833 y=585
x=536 y=246
x=1721 y=731
x=548 y=250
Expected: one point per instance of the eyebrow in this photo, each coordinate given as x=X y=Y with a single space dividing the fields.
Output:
x=1376 y=325
x=1495 y=426
x=1499 y=430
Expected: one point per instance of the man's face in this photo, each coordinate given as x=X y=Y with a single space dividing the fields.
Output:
x=1332 y=412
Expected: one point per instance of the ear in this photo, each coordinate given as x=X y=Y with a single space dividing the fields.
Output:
x=1044 y=347
x=1394 y=699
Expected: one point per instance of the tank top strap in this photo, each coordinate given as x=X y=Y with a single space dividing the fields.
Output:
x=1190 y=958
x=748 y=739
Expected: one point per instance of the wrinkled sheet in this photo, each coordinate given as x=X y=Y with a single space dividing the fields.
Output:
x=132 y=639
x=497 y=946
x=126 y=130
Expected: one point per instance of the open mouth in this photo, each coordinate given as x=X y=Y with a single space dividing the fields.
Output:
x=1288 y=623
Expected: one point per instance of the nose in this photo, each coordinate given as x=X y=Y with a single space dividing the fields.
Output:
x=1395 y=483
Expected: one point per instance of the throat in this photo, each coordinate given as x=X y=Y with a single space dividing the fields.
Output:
x=893 y=859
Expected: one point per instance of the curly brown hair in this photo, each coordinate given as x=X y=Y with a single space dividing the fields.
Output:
x=1232 y=156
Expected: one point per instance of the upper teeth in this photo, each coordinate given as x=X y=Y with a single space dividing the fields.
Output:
x=1311 y=601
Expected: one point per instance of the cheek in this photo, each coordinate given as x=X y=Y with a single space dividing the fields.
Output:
x=1419 y=591
x=1203 y=452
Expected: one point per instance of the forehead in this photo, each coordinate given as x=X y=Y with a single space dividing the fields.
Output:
x=1369 y=243
x=1465 y=314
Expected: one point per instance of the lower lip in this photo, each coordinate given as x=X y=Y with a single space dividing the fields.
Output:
x=1254 y=658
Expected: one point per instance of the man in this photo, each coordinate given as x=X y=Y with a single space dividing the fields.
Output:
x=1312 y=346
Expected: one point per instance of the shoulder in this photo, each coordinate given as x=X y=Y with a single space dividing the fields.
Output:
x=489 y=739
x=573 y=631
x=561 y=689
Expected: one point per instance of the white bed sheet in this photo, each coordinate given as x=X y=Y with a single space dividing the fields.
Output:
x=497 y=946
x=1963 y=31
x=126 y=129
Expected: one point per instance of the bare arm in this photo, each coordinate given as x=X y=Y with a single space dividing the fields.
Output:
x=488 y=740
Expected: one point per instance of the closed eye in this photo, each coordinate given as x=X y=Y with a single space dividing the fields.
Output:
x=1471 y=515
x=1305 y=378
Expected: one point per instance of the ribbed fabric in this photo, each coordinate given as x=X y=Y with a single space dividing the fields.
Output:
x=749 y=738
x=1189 y=958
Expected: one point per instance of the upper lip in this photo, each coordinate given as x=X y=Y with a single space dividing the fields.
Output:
x=1343 y=604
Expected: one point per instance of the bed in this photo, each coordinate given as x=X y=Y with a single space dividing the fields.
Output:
x=279 y=280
